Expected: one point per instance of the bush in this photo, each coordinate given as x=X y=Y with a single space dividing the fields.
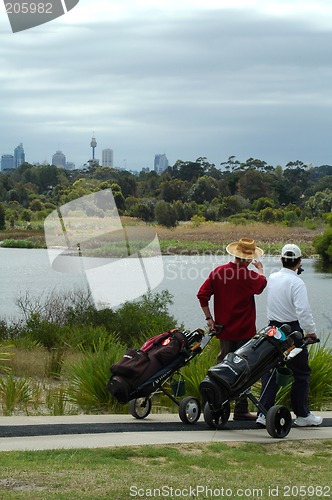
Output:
x=147 y=316
x=15 y=392
x=328 y=219
x=267 y=215
x=197 y=220
x=70 y=320
x=54 y=307
x=11 y=243
x=43 y=332
x=290 y=217
x=165 y=214
x=238 y=221
x=2 y=217
x=323 y=245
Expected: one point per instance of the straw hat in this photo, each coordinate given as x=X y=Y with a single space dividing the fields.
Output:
x=244 y=249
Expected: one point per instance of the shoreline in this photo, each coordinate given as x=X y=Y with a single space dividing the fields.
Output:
x=187 y=238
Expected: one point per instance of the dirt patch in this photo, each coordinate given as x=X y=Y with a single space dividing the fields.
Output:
x=10 y=484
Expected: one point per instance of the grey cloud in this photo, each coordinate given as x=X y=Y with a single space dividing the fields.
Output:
x=228 y=82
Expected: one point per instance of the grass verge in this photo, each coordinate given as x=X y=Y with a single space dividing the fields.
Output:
x=281 y=469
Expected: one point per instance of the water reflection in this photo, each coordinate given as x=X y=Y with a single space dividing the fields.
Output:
x=324 y=268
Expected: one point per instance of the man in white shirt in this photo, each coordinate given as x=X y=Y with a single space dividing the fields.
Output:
x=287 y=303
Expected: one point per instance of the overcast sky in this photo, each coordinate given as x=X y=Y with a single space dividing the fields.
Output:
x=189 y=78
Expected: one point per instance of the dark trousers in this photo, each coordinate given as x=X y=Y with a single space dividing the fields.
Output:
x=226 y=346
x=300 y=386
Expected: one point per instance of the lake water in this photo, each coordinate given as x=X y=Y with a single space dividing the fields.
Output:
x=23 y=271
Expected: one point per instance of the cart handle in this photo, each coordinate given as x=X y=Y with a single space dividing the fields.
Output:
x=216 y=330
x=212 y=333
x=310 y=340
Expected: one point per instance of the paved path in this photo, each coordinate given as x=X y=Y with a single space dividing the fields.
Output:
x=100 y=431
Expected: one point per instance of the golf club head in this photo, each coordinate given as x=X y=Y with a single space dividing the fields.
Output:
x=298 y=335
x=286 y=329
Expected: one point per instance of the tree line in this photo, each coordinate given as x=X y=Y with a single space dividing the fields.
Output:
x=188 y=190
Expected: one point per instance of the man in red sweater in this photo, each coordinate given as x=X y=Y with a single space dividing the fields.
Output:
x=233 y=287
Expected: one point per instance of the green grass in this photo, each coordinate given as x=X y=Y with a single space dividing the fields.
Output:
x=207 y=470
x=11 y=243
x=189 y=247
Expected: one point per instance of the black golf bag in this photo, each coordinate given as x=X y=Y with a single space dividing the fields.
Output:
x=242 y=368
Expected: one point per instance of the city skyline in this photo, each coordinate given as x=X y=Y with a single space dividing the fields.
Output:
x=59 y=159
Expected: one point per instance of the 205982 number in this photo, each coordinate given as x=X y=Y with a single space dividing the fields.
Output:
x=317 y=491
x=29 y=8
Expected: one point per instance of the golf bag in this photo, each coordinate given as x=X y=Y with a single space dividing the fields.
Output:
x=242 y=368
x=139 y=365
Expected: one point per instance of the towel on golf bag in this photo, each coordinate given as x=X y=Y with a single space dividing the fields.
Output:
x=138 y=365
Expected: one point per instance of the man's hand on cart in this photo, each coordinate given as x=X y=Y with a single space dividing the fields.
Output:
x=213 y=327
x=216 y=329
x=311 y=338
x=210 y=324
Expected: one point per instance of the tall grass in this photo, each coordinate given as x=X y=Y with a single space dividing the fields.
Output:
x=58 y=402
x=15 y=393
x=88 y=377
x=196 y=370
x=5 y=354
x=320 y=391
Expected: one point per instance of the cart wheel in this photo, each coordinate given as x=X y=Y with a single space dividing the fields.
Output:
x=140 y=407
x=189 y=410
x=278 y=421
x=217 y=419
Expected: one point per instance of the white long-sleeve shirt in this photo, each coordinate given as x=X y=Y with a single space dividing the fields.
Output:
x=287 y=300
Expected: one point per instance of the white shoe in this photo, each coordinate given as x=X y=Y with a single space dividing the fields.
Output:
x=308 y=421
x=261 y=420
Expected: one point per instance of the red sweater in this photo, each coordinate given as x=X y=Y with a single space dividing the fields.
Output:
x=233 y=287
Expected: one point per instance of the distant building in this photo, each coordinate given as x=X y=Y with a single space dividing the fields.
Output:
x=59 y=159
x=107 y=158
x=19 y=156
x=70 y=165
x=160 y=163
x=7 y=162
x=93 y=145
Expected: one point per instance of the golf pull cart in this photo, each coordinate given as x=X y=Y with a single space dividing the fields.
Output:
x=271 y=348
x=144 y=372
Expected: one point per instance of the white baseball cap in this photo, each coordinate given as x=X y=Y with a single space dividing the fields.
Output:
x=291 y=251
